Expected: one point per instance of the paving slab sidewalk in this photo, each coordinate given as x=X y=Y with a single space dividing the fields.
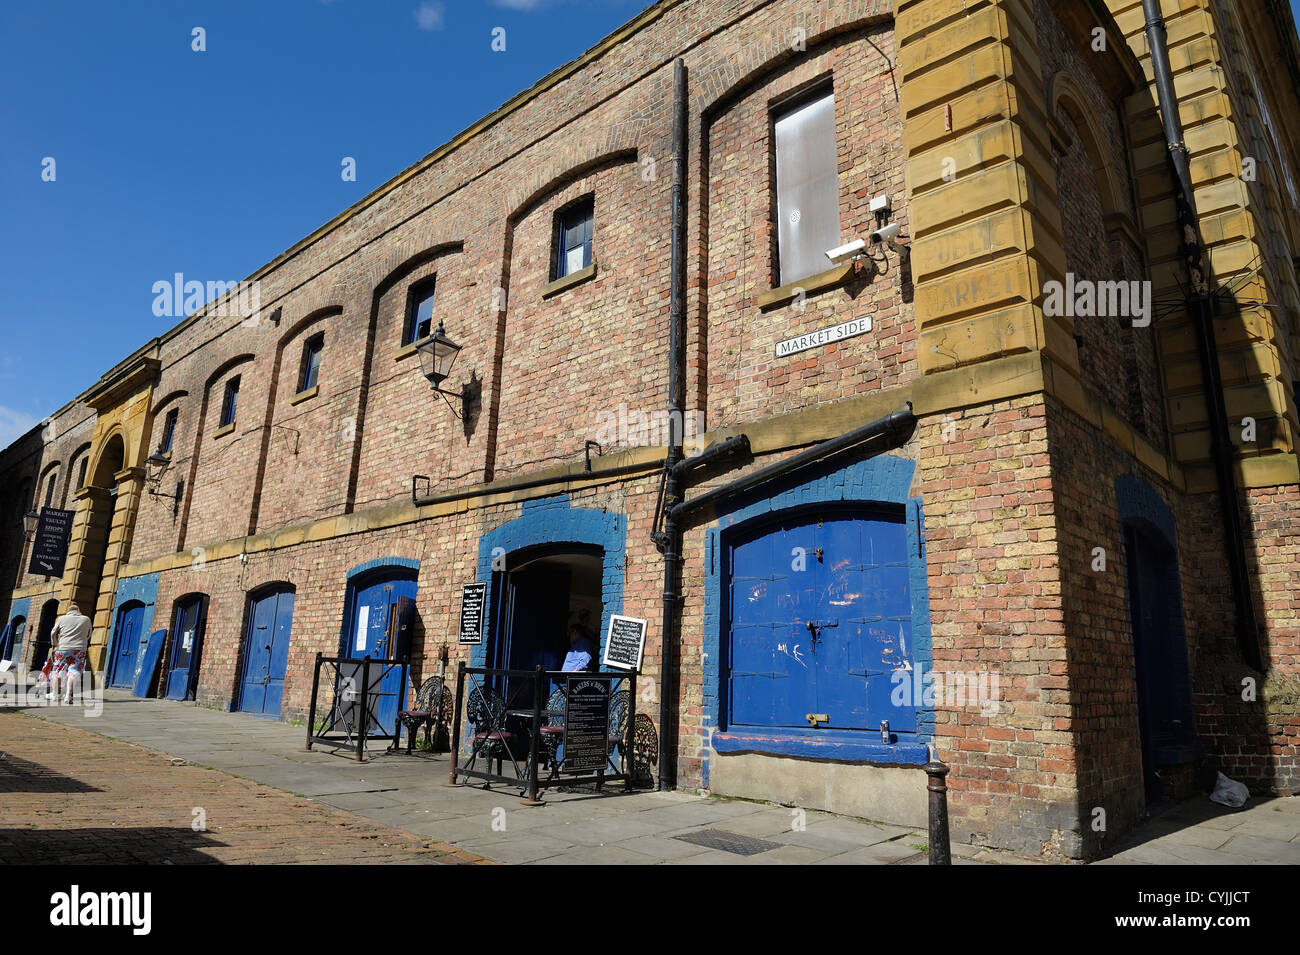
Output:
x=411 y=793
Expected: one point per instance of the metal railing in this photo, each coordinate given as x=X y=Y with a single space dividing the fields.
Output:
x=353 y=698
x=506 y=726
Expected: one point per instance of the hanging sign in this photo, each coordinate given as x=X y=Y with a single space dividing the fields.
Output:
x=50 y=548
x=472 y=599
x=625 y=643
x=791 y=346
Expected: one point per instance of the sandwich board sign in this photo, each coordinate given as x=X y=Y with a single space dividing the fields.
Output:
x=625 y=642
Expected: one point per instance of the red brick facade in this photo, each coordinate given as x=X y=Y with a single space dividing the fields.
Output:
x=1015 y=495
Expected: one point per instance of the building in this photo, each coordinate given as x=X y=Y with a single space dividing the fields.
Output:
x=1029 y=573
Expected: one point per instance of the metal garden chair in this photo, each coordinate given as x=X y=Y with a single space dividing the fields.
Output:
x=486 y=711
x=553 y=731
x=425 y=712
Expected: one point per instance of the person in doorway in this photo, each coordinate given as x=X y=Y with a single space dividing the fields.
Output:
x=582 y=649
x=71 y=640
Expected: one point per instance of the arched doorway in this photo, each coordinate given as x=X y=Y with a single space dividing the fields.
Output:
x=128 y=643
x=378 y=619
x=266 y=651
x=541 y=593
x=11 y=643
x=41 y=648
x=101 y=498
x=187 y=646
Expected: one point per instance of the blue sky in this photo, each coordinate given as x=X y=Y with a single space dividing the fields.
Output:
x=212 y=163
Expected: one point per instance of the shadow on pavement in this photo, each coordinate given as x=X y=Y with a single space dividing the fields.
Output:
x=18 y=775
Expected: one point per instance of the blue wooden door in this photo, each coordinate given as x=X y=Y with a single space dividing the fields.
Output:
x=266 y=654
x=373 y=630
x=187 y=648
x=820 y=620
x=126 y=645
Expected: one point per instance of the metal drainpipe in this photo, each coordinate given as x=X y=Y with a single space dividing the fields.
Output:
x=676 y=402
x=1202 y=318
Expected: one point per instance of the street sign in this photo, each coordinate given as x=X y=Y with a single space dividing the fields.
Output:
x=625 y=643
x=472 y=599
x=50 y=548
x=825 y=336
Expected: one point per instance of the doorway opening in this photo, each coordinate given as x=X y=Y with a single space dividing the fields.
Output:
x=379 y=622
x=542 y=594
x=41 y=647
x=1164 y=696
x=11 y=644
x=187 y=646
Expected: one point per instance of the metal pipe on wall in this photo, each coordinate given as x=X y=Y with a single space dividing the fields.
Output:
x=676 y=403
x=1199 y=306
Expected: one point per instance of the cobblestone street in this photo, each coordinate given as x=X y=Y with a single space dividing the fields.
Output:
x=69 y=796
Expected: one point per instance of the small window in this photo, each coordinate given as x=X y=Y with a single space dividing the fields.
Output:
x=49 y=489
x=311 y=351
x=169 y=432
x=230 y=402
x=574 y=225
x=807 y=188
x=81 y=472
x=419 y=312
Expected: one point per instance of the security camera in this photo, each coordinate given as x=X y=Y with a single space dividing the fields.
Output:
x=886 y=234
x=846 y=252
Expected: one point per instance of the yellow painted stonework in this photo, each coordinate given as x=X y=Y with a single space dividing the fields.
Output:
x=122 y=402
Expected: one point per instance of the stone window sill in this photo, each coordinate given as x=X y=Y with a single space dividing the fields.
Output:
x=843 y=746
x=222 y=432
x=569 y=281
x=302 y=396
x=406 y=351
x=811 y=285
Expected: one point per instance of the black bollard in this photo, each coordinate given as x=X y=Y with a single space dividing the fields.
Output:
x=940 y=851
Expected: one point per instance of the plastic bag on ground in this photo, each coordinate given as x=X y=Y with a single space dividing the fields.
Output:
x=1229 y=792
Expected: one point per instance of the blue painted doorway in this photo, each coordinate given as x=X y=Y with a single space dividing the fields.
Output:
x=819 y=619
x=266 y=652
x=380 y=617
x=12 y=641
x=126 y=644
x=187 y=646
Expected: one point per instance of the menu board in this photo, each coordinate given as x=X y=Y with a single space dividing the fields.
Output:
x=50 y=548
x=625 y=643
x=472 y=599
x=586 y=724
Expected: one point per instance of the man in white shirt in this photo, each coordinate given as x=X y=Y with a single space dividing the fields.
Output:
x=71 y=640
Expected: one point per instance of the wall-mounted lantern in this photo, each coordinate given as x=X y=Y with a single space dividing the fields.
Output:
x=30 y=520
x=437 y=355
x=155 y=467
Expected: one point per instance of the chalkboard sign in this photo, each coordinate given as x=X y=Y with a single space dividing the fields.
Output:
x=472 y=599
x=586 y=724
x=625 y=643
x=50 y=549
